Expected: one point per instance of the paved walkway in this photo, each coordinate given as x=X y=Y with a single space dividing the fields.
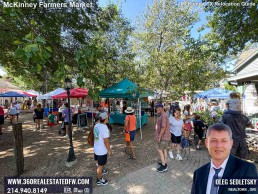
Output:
x=178 y=178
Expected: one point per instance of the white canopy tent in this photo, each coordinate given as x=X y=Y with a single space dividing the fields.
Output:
x=50 y=94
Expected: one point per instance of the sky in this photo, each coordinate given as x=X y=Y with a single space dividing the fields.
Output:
x=2 y=72
x=133 y=8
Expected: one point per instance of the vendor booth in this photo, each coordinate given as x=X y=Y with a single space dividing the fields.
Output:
x=120 y=119
x=129 y=90
x=48 y=96
x=75 y=93
x=13 y=94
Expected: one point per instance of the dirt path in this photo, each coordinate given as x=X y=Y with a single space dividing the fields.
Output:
x=46 y=152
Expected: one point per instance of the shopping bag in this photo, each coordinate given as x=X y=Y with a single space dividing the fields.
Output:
x=127 y=136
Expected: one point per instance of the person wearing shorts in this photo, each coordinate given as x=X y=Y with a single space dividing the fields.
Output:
x=176 y=128
x=101 y=147
x=38 y=115
x=18 y=108
x=1 y=119
x=12 y=113
x=162 y=137
x=199 y=128
x=130 y=127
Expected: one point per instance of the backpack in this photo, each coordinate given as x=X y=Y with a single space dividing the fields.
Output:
x=91 y=137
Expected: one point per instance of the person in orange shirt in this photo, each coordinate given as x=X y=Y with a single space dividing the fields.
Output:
x=130 y=127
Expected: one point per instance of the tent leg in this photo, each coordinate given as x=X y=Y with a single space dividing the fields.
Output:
x=92 y=113
x=140 y=116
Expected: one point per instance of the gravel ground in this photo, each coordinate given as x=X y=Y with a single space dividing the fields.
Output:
x=45 y=152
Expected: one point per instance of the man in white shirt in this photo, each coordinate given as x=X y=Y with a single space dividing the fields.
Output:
x=223 y=165
x=101 y=147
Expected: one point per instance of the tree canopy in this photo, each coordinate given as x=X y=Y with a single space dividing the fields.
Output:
x=233 y=24
x=44 y=44
x=171 y=60
x=97 y=47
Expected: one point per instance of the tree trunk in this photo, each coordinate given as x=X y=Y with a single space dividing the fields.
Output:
x=44 y=87
x=18 y=148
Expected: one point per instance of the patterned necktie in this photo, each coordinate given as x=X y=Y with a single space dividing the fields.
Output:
x=214 y=188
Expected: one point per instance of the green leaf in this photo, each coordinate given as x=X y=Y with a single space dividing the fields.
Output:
x=49 y=49
x=40 y=40
x=80 y=81
x=31 y=47
x=46 y=55
x=33 y=22
x=19 y=53
x=29 y=36
x=77 y=55
x=17 y=42
x=39 y=67
x=13 y=14
x=82 y=65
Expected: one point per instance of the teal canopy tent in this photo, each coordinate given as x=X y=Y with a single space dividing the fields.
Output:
x=124 y=89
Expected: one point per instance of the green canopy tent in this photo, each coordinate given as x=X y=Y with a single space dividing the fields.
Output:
x=126 y=89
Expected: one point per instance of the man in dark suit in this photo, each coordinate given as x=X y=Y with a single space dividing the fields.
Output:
x=219 y=142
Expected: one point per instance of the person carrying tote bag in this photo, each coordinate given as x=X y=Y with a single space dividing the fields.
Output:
x=130 y=131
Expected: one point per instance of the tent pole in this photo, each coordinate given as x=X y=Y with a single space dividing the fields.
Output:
x=140 y=117
x=92 y=112
x=154 y=114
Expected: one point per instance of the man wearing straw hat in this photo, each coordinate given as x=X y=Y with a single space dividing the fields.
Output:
x=130 y=127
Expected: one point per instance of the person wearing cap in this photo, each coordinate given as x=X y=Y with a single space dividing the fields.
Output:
x=101 y=147
x=100 y=110
x=238 y=122
x=130 y=127
x=162 y=137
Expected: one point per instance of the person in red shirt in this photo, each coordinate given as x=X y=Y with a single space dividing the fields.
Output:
x=130 y=127
x=1 y=119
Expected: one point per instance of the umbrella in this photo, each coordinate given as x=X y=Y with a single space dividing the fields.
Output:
x=13 y=94
x=74 y=93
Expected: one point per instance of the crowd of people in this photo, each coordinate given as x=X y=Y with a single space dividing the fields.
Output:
x=171 y=127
